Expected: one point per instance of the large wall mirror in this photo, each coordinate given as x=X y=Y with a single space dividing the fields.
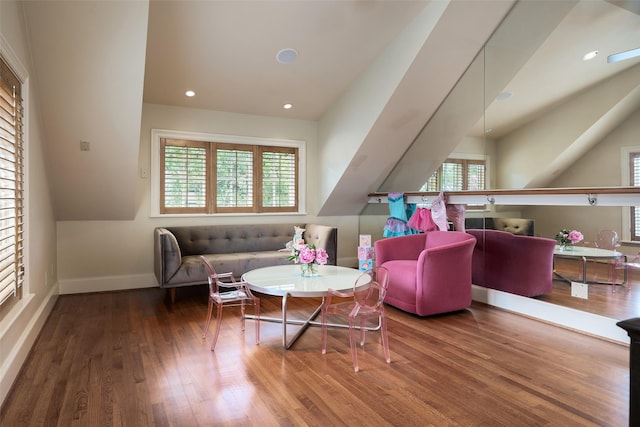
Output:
x=543 y=115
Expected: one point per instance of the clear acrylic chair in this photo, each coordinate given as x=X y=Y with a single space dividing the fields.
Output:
x=608 y=239
x=365 y=302
x=627 y=264
x=237 y=295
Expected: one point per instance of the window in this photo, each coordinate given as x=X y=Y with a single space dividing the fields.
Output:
x=634 y=180
x=206 y=177
x=11 y=184
x=457 y=175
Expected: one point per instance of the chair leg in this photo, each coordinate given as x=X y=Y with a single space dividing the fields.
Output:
x=362 y=332
x=323 y=332
x=218 y=323
x=205 y=329
x=242 y=312
x=352 y=342
x=256 y=305
x=385 y=339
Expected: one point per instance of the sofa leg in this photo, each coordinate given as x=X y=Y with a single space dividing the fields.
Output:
x=172 y=295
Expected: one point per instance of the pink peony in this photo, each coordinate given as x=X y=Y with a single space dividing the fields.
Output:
x=575 y=236
x=307 y=255
x=321 y=256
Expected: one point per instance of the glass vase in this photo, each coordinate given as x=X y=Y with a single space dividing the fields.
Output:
x=309 y=270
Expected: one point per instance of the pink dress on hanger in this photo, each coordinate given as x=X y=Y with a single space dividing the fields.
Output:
x=422 y=220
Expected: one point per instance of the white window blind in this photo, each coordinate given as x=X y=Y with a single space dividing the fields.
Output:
x=279 y=181
x=234 y=177
x=634 y=179
x=184 y=176
x=217 y=177
x=11 y=184
x=457 y=175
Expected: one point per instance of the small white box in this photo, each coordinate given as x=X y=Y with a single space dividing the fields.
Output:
x=579 y=290
x=365 y=264
x=365 y=240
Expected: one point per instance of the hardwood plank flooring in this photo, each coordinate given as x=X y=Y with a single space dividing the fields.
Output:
x=617 y=302
x=129 y=359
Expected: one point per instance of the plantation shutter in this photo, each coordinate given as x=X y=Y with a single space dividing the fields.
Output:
x=452 y=176
x=184 y=176
x=234 y=178
x=279 y=178
x=475 y=175
x=634 y=168
x=11 y=184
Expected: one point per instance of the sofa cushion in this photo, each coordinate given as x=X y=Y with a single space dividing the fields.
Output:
x=216 y=239
x=518 y=226
x=404 y=273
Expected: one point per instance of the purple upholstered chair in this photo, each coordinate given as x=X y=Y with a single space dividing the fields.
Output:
x=428 y=273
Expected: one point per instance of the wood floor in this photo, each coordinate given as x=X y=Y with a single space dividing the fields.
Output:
x=617 y=302
x=129 y=359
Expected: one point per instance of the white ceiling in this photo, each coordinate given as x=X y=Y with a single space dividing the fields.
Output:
x=226 y=52
x=93 y=54
x=214 y=48
x=556 y=70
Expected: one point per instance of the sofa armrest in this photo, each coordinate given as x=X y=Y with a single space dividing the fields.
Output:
x=324 y=237
x=167 y=257
x=400 y=247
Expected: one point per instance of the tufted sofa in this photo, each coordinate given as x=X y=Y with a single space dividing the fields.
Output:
x=229 y=248
x=520 y=226
x=521 y=265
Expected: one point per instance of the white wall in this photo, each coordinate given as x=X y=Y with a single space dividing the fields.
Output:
x=106 y=255
x=22 y=318
x=599 y=167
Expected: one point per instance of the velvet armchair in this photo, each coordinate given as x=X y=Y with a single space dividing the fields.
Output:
x=507 y=262
x=429 y=273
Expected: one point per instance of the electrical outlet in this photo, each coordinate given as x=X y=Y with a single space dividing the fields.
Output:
x=85 y=146
x=580 y=290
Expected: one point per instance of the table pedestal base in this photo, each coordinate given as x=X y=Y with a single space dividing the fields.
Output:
x=305 y=323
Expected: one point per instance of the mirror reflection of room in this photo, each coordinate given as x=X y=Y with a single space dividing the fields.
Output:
x=534 y=111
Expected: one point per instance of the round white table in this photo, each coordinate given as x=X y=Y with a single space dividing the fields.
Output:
x=287 y=281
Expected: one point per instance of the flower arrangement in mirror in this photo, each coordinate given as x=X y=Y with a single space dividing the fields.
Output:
x=308 y=257
x=567 y=238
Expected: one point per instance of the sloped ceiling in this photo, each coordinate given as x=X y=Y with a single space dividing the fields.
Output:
x=89 y=60
x=95 y=63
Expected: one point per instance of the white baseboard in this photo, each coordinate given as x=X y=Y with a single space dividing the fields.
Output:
x=589 y=323
x=107 y=283
x=20 y=349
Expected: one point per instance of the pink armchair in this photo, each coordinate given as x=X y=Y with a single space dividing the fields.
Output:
x=429 y=273
x=521 y=265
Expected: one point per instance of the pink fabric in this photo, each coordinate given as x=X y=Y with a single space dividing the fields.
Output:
x=521 y=265
x=456 y=214
x=439 y=212
x=429 y=273
x=421 y=220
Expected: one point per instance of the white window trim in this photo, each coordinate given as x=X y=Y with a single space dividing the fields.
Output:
x=625 y=181
x=158 y=134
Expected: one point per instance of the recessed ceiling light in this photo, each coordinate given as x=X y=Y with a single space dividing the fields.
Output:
x=190 y=93
x=287 y=106
x=503 y=96
x=590 y=55
x=287 y=56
